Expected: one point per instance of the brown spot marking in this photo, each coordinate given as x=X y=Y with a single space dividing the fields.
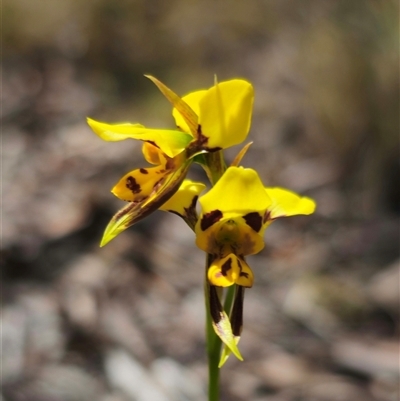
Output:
x=144 y=171
x=194 y=201
x=242 y=274
x=216 y=149
x=210 y=218
x=226 y=267
x=133 y=185
x=254 y=220
x=199 y=131
x=202 y=140
x=192 y=206
x=170 y=165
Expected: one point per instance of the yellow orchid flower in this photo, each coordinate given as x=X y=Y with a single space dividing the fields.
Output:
x=235 y=214
x=207 y=121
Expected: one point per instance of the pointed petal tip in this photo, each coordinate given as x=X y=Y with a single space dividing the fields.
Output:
x=237 y=354
x=108 y=236
x=113 y=229
x=224 y=332
x=241 y=154
x=149 y=76
x=225 y=355
x=227 y=351
x=90 y=122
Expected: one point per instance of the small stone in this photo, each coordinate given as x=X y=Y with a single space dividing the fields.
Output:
x=179 y=382
x=384 y=287
x=128 y=375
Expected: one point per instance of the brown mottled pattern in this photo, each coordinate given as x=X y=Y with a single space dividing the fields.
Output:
x=190 y=212
x=210 y=218
x=137 y=210
x=133 y=185
x=201 y=139
x=171 y=164
x=226 y=267
x=144 y=171
x=242 y=274
x=254 y=220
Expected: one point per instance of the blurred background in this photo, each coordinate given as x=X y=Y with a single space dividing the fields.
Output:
x=126 y=322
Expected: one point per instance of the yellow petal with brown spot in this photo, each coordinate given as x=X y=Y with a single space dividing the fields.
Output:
x=225 y=113
x=141 y=183
x=140 y=208
x=238 y=192
x=230 y=270
x=184 y=198
x=192 y=99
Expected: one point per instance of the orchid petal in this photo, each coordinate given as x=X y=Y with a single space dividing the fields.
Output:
x=192 y=100
x=238 y=192
x=230 y=270
x=171 y=142
x=236 y=319
x=221 y=323
x=232 y=212
x=140 y=184
x=137 y=210
x=238 y=158
x=184 y=199
x=153 y=155
x=286 y=203
x=225 y=113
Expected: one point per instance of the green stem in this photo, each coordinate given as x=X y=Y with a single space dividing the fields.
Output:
x=213 y=369
x=213 y=344
x=213 y=341
x=214 y=166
